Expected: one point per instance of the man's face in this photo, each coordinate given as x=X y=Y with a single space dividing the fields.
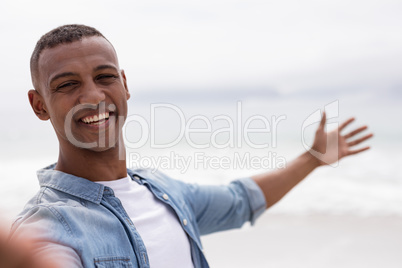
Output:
x=84 y=93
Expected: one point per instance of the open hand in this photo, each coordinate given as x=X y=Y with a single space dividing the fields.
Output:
x=329 y=147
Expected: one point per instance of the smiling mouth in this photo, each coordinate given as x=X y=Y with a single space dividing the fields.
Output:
x=96 y=119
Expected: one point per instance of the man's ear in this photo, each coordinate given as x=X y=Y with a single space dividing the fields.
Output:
x=38 y=105
x=123 y=75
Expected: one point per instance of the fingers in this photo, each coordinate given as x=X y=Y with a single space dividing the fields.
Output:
x=354 y=132
x=358 y=150
x=323 y=120
x=347 y=122
x=355 y=142
x=360 y=140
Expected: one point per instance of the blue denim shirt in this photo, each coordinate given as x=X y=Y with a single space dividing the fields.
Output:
x=72 y=216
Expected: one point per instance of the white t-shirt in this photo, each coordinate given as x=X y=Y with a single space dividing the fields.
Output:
x=166 y=242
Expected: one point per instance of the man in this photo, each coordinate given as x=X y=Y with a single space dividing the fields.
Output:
x=91 y=211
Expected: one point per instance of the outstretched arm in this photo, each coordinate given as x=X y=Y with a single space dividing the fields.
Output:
x=21 y=253
x=328 y=147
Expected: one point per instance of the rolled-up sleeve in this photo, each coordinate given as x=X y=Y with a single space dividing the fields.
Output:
x=219 y=208
x=256 y=198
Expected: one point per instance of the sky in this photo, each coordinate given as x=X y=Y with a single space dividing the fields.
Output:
x=287 y=47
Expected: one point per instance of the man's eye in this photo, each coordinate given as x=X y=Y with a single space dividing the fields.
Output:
x=106 y=76
x=67 y=85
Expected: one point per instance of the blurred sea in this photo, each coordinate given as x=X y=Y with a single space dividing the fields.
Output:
x=366 y=185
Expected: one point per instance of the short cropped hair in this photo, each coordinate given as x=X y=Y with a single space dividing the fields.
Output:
x=60 y=35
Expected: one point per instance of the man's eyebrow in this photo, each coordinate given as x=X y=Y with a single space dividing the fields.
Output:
x=57 y=76
x=101 y=67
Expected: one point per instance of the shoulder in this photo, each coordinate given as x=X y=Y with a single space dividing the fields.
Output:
x=39 y=222
x=47 y=210
x=47 y=198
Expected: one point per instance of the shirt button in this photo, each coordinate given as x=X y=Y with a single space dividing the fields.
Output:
x=165 y=196
x=185 y=222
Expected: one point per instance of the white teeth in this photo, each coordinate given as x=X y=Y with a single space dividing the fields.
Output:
x=95 y=119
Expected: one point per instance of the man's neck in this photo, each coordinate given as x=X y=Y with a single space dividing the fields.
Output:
x=95 y=166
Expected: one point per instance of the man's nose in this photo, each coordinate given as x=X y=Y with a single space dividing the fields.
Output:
x=91 y=93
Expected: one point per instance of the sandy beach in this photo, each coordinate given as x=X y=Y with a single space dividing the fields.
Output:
x=316 y=241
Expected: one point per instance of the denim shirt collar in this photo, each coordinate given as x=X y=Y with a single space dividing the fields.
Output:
x=70 y=184
x=76 y=186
